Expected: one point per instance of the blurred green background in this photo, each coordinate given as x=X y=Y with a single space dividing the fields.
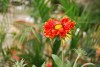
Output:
x=21 y=30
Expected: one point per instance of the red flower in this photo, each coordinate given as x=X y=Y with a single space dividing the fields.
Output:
x=49 y=65
x=14 y=55
x=53 y=28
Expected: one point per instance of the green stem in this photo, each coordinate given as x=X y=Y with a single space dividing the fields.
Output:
x=62 y=43
x=76 y=61
x=51 y=43
x=87 y=64
x=50 y=55
x=51 y=47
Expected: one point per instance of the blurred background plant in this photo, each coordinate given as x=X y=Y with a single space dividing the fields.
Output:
x=21 y=31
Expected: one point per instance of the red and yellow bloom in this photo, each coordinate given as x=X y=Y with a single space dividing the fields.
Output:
x=53 y=28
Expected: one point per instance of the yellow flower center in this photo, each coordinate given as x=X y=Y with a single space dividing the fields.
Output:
x=58 y=26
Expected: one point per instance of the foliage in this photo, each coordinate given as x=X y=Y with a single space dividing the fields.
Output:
x=19 y=64
x=4 y=5
x=80 y=53
x=40 y=9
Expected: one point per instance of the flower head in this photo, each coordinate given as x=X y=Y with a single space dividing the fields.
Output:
x=53 y=28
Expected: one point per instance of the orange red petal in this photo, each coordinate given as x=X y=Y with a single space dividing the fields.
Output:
x=63 y=27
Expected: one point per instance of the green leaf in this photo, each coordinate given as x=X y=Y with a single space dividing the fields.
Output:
x=19 y=64
x=33 y=66
x=68 y=64
x=41 y=6
x=35 y=34
x=43 y=65
x=80 y=52
x=70 y=8
x=57 y=60
x=5 y=5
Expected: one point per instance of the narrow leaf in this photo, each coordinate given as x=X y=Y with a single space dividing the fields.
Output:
x=57 y=60
x=35 y=34
x=33 y=66
x=43 y=65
